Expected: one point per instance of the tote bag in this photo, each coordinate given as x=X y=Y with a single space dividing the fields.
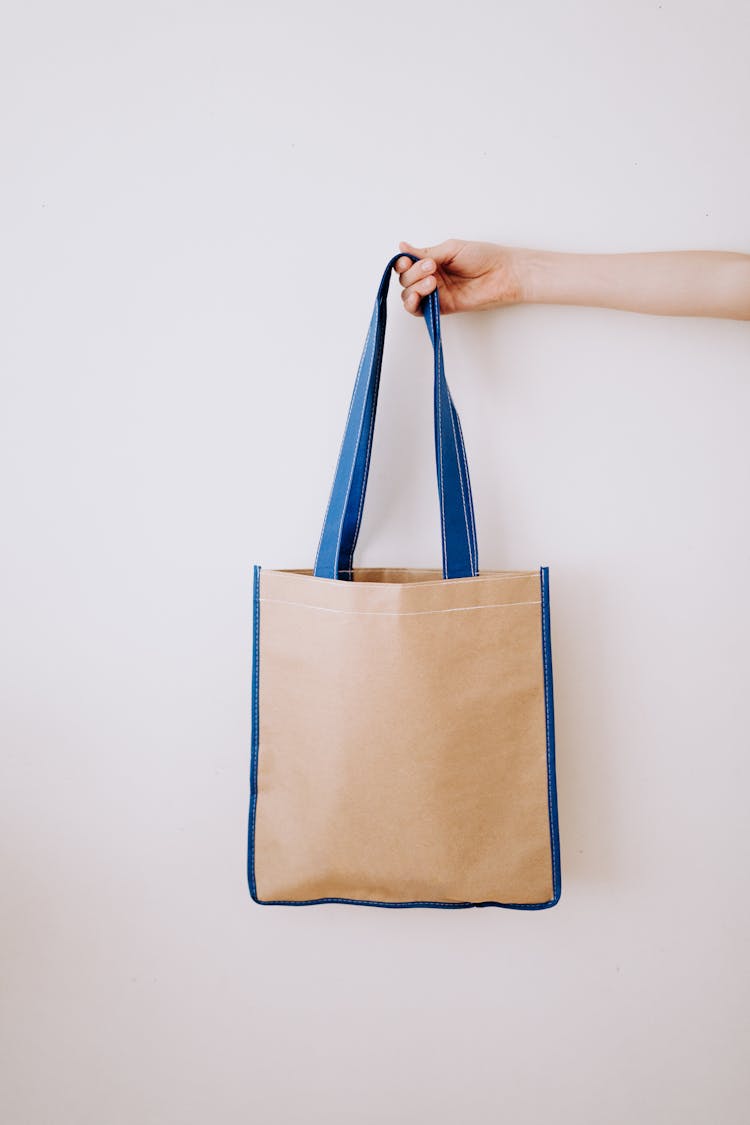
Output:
x=403 y=746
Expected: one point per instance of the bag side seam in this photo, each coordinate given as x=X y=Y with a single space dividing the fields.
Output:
x=255 y=735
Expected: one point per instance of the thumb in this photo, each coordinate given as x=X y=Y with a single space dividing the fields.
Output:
x=440 y=253
x=418 y=251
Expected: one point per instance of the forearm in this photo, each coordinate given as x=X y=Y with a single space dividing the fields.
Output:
x=669 y=283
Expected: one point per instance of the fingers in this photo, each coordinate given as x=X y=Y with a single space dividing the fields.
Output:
x=404 y=264
x=417 y=278
x=443 y=253
x=418 y=251
x=412 y=295
x=411 y=272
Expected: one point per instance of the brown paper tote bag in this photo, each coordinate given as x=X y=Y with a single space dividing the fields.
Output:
x=402 y=718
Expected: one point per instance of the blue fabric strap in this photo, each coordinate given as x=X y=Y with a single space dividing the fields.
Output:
x=343 y=516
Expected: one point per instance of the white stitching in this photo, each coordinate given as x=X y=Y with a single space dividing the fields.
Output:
x=378 y=357
x=468 y=488
x=460 y=481
x=466 y=466
x=341 y=446
x=351 y=474
x=440 y=369
x=485 y=577
x=396 y=613
x=440 y=449
x=460 y=478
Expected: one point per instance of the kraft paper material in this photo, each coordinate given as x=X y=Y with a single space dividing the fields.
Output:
x=402 y=750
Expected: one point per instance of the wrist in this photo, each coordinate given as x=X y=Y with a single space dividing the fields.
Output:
x=511 y=276
x=536 y=273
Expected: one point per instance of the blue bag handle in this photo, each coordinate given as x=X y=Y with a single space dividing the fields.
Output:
x=338 y=538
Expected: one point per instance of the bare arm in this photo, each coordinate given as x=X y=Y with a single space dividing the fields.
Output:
x=668 y=283
x=482 y=275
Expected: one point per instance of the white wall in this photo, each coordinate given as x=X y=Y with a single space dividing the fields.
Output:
x=198 y=201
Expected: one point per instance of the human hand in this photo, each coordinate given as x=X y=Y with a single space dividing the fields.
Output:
x=484 y=275
x=469 y=275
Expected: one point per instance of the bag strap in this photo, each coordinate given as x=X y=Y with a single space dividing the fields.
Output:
x=338 y=538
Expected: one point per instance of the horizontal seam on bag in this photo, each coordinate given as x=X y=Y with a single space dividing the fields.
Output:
x=397 y=613
x=421 y=585
x=476 y=578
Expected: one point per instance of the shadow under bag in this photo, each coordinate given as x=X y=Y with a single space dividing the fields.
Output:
x=403 y=748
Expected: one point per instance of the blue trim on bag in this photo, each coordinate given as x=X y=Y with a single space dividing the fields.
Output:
x=549 y=711
x=551 y=779
x=254 y=737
